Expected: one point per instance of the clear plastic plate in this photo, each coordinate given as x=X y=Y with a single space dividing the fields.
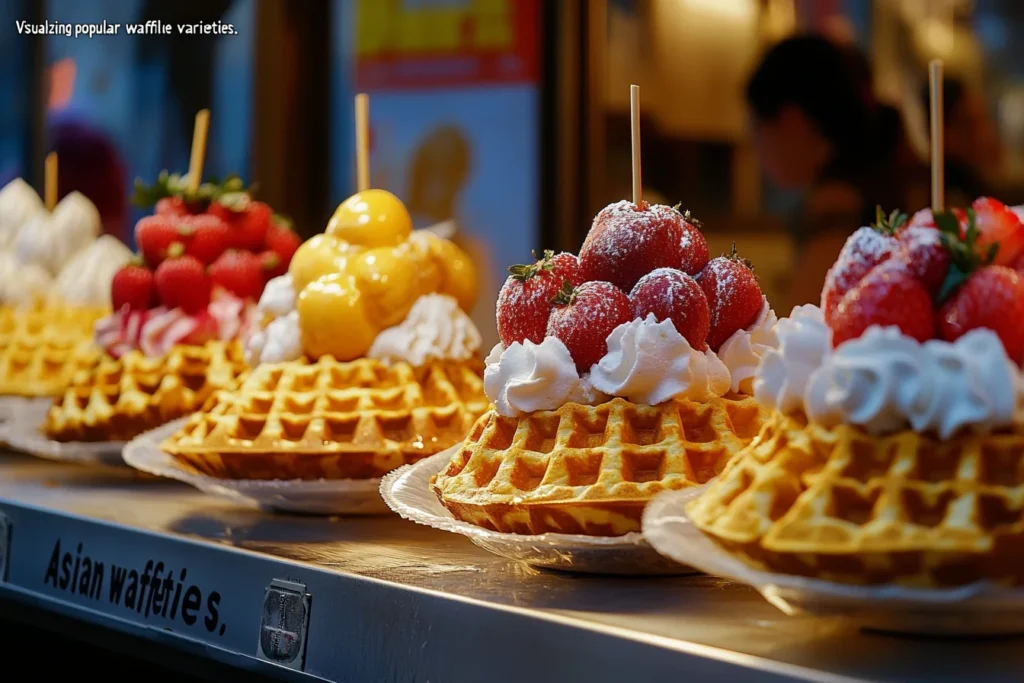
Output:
x=319 y=497
x=979 y=609
x=21 y=428
x=407 y=492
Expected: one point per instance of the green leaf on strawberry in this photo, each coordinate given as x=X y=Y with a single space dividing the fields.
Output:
x=962 y=246
x=890 y=224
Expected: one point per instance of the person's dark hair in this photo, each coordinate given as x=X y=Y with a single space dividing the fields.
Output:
x=953 y=92
x=830 y=83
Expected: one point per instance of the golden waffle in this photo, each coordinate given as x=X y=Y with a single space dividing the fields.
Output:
x=331 y=420
x=590 y=469
x=42 y=347
x=120 y=399
x=842 y=505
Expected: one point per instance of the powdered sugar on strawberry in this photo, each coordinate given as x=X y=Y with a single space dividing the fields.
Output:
x=864 y=250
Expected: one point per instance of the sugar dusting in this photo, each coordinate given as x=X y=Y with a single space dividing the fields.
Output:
x=734 y=298
x=599 y=307
x=624 y=242
x=863 y=250
x=523 y=308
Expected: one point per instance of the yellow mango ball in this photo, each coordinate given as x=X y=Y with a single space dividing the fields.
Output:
x=314 y=257
x=373 y=218
x=428 y=273
x=387 y=277
x=333 y=319
x=460 y=277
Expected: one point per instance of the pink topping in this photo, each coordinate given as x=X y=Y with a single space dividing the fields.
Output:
x=155 y=331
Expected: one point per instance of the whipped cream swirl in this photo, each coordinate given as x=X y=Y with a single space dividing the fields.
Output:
x=804 y=342
x=649 y=362
x=742 y=352
x=435 y=329
x=885 y=381
x=528 y=377
x=278 y=299
x=18 y=203
x=279 y=342
x=87 y=277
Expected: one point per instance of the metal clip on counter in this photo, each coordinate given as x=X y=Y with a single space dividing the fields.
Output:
x=381 y=599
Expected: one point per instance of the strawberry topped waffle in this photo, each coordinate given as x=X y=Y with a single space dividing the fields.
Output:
x=895 y=449
x=620 y=373
x=204 y=260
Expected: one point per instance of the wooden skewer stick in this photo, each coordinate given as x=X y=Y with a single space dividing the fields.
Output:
x=195 y=164
x=362 y=142
x=936 y=115
x=50 y=181
x=634 y=123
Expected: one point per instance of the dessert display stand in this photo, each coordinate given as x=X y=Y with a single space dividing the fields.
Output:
x=381 y=599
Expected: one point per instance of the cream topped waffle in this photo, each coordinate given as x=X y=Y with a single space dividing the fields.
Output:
x=602 y=399
x=42 y=347
x=895 y=450
x=118 y=399
x=330 y=420
x=364 y=360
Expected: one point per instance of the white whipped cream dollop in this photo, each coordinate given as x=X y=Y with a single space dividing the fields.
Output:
x=804 y=342
x=86 y=279
x=528 y=377
x=278 y=299
x=742 y=352
x=52 y=239
x=279 y=342
x=29 y=284
x=435 y=329
x=18 y=203
x=649 y=362
x=885 y=381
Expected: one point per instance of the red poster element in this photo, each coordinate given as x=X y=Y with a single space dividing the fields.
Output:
x=435 y=44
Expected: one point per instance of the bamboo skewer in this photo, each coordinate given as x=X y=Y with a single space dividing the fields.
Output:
x=937 y=125
x=362 y=142
x=50 y=181
x=199 y=136
x=634 y=123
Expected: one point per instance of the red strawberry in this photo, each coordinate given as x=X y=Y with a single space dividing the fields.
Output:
x=154 y=235
x=925 y=218
x=205 y=237
x=249 y=220
x=525 y=300
x=733 y=294
x=695 y=247
x=1018 y=265
x=182 y=282
x=171 y=206
x=133 y=286
x=888 y=296
x=239 y=272
x=993 y=298
x=272 y=264
x=673 y=295
x=926 y=257
x=283 y=241
x=626 y=242
x=997 y=224
x=864 y=250
x=584 y=317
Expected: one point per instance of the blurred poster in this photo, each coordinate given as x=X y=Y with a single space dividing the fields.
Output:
x=454 y=112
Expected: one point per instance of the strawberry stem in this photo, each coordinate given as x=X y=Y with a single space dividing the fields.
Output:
x=888 y=225
x=523 y=272
x=962 y=248
x=564 y=296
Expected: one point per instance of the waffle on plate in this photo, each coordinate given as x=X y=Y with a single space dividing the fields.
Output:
x=842 y=505
x=331 y=420
x=41 y=348
x=120 y=399
x=590 y=469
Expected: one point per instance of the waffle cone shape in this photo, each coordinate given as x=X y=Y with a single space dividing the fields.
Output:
x=42 y=347
x=590 y=469
x=331 y=420
x=842 y=505
x=119 y=399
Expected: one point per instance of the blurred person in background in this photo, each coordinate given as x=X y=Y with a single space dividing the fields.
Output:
x=818 y=129
x=973 y=153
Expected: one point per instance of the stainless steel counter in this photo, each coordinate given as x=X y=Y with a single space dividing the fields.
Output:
x=393 y=601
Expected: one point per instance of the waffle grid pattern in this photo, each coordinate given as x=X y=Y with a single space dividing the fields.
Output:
x=331 y=420
x=120 y=399
x=842 y=505
x=42 y=348
x=590 y=469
